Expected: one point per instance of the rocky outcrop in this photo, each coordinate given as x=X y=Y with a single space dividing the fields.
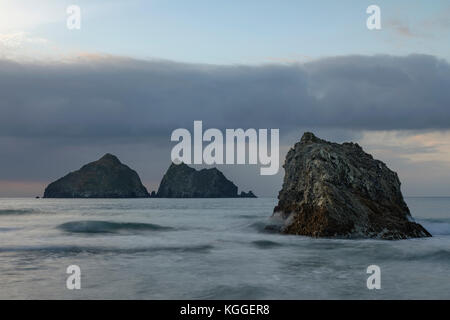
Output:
x=182 y=181
x=104 y=178
x=249 y=194
x=338 y=190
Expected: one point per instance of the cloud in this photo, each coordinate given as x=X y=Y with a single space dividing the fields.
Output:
x=400 y=28
x=422 y=159
x=104 y=96
x=22 y=45
x=56 y=116
x=436 y=25
x=27 y=14
x=18 y=39
x=413 y=146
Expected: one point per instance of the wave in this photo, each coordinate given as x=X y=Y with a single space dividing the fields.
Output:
x=247 y=216
x=75 y=250
x=266 y=244
x=437 y=255
x=92 y=226
x=16 y=211
x=2 y=229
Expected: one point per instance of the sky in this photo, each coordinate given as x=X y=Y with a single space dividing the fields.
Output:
x=229 y=32
x=137 y=70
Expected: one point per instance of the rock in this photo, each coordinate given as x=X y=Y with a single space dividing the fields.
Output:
x=338 y=190
x=249 y=194
x=104 y=178
x=182 y=181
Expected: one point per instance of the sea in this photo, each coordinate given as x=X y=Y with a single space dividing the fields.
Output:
x=206 y=249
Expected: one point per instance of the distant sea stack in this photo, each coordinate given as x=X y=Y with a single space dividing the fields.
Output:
x=104 y=178
x=338 y=190
x=182 y=181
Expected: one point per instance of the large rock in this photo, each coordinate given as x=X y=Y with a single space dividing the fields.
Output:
x=104 y=178
x=182 y=181
x=338 y=190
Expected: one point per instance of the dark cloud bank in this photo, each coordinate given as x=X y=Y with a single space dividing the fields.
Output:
x=113 y=97
x=56 y=116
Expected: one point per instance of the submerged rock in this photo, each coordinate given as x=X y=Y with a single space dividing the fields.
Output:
x=104 y=178
x=338 y=190
x=182 y=181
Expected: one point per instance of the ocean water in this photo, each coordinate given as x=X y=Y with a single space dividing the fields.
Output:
x=206 y=249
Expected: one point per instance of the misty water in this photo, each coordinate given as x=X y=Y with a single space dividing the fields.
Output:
x=206 y=249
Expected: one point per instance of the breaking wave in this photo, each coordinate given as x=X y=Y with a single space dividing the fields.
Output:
x=265 y=227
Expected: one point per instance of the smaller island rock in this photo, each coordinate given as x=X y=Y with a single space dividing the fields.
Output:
x=182 y=181
x=249 y=194
x=104 y=178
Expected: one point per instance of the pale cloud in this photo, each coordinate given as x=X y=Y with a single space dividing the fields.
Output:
x=24 y=46
x=18 y=39
x=421 y=158
x=412 y=146
x=18 y=23
x=27 y=14
x=400 y=28
x=290 y=59
x=436 y=24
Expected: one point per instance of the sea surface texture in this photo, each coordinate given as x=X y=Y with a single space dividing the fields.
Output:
x=207 y=249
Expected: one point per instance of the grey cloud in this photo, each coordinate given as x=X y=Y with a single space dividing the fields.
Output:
x=113 y=97
x=383 y=92
x=57 y=116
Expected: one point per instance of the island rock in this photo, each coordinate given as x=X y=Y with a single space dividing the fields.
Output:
x=104 y=178
x=182 y=181
x=338 y=190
